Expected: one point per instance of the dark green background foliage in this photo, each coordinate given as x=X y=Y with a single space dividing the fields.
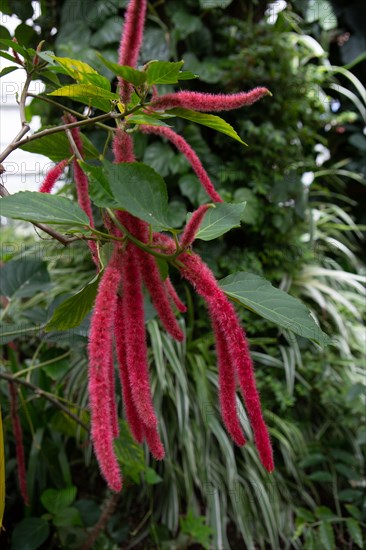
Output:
x=303 y=238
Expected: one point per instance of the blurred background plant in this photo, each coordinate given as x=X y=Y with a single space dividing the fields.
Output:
x=303 y=177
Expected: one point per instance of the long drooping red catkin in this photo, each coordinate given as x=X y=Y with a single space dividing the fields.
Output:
x=112 y=393
x=184 y=147
x=102 y=409
x=193 y=225
x=172 y=293
x=135 y=338
x=53 y=176
x=227 y=384
x=132 y=415
x=198 y=273
x=18 y=436
x=209 y=102
x=131 y=41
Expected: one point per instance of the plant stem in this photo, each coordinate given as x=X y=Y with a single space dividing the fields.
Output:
x=46 y=395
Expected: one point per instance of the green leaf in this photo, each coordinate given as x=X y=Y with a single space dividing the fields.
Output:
x=83 y=73
x=354 y=531
x=187 y=75
x=32 y=206
x=354 y=511
x=9 y=57
x=142 y=118
x=30 y=534
x=88 y=95
x=326 y=536
x=212 y=121
x=211 y=4
x=151 y=477
x=16 y=47
x=320 y=476
x=324 y=513
x=73 y=310
x=305 y=514
x=23 y=278
x=163 y=72
x=135 y=77
x=129 y=453
x=258 y=295
x=99 y=189
x=57 y=147
x=220 y=220
x=67 y=517
x=140 y=190
x=7 y=70
x=56 y=500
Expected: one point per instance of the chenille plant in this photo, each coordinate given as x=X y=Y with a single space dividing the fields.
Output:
x=133 y=203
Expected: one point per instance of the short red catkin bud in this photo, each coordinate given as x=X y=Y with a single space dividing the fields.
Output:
x=53 y=176
x=193 y=225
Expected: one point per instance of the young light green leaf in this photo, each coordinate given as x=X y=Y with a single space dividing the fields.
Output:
x=73 y=310
x=163 y=72
x=142 y=118
x=140 y=190
x=88 y=95
x=82 y=72
x=258 y=295
x=212 y=121
x=220 y=220
x=56 y=500
x=43 y=208
x=187 y=75
x=135 y=77
x=57 y=147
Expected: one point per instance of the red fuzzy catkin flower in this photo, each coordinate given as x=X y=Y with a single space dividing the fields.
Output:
x=53 y=176
x=227 y=385
x=123 y=152
x=174 y=296
x=193 y=225
x=208 y=102
x=18 y=436
x=225 y=318
x=135 y=338
x=101 y=384
x=131 y=41
x=132 y=415
x=82 y=184
x=183 y=146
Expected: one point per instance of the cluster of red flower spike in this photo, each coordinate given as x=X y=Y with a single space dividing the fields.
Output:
x=118 y=316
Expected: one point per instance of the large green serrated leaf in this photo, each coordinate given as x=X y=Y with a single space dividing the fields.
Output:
x=73 y=310
x=99 y=189
x=23 y=278
x=163 y=72
x=187 y=75
x=56 y=500
x=212 y=121
x=88 y=95
x=220 y=220
x=57 y=147
x=258 y=295
x=133 y=76
x=30 y=534
x=32 y=206
x=140 y=190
